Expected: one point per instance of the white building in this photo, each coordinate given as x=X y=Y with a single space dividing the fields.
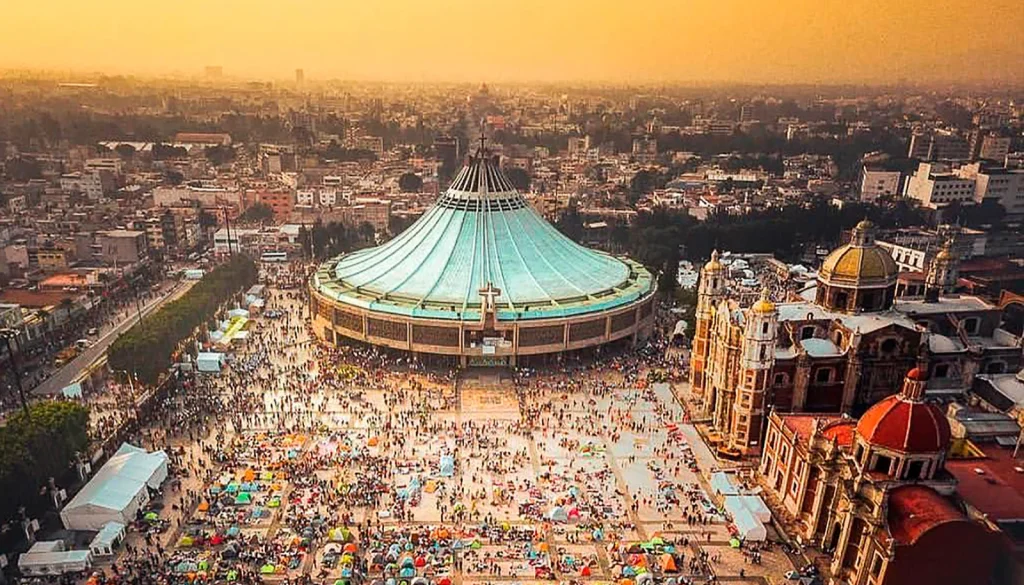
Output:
x=1000 y=184
x=875 y=183
x=88 y=183
x=934 y=186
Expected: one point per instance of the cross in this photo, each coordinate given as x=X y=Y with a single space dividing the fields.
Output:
x=489 y=293
x=483 y=137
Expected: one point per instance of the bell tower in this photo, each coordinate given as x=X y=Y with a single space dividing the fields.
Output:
x=943 y=273
x=710 y=291
x=757 y=359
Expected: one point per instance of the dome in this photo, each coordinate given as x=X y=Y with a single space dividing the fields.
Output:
x=482 y=235
x=713 y=263
x=905 y=422
x=862 y=262
x=763 y=304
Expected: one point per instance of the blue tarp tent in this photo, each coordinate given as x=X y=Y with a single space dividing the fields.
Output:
x=447 y=466
x=748 y=526
x=209 y=361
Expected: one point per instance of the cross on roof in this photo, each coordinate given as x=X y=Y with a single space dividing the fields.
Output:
x=489 y=293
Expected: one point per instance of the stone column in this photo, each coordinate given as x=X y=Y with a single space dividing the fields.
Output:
x=801 y=380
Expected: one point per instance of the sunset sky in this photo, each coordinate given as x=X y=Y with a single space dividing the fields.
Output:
x=776 y=41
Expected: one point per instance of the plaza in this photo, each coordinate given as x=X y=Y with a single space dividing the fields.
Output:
x=334 y=464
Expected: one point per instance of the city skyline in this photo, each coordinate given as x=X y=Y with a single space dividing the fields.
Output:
x=528 y=41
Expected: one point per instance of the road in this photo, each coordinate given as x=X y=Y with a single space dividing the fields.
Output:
x=66 y=375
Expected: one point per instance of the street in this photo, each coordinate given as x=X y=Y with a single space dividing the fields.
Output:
x=66 y=374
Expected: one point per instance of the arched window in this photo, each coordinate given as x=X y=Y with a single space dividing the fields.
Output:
x=972 y=325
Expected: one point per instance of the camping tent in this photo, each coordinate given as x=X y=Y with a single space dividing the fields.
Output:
x=109 y=536
x=753 y=503
x=209 y=361
x=48 y=557
x=117 y=491
x=558 y=514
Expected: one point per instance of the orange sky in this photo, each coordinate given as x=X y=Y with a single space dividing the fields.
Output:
x=778 y=41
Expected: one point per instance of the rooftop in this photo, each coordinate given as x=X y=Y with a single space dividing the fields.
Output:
x=994 y=484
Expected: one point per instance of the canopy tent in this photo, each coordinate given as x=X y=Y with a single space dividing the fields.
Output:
x=722 y=483
x=117 y=491
x=447 y=466
x=753 y=503
x=210 y=361
x=106 y=539
x=72 y=390
x=48 y=557
x=747 y=525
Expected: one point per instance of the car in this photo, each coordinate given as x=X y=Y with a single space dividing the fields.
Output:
x=92 y=331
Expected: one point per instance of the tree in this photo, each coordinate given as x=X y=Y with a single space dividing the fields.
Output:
x=367 y=231
x=219 y=155
x=174 y=177
x=36 y=447
x=410 y=183
x=23 y=168
x=125 y=151
x=258 y=212
x=570 y=223
x=519 y=177
x=147 y=348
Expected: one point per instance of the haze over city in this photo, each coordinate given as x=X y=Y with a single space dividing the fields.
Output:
x=788 y=41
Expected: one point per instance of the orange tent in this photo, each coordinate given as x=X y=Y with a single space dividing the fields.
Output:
x=668 y=564
x=249 y=475
x=372 y=442
x=204 y=506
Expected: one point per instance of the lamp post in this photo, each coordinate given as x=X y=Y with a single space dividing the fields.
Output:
x=8 y=335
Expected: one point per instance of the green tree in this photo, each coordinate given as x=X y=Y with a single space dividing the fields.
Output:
x=38 y=446
x=147 y=348
x=519 y=177
x=219 y=155
x=257 y=213
x=410 y=183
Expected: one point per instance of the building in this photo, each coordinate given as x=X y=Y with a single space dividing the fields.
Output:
x=121 y=246
x=935 y=186
x=89 y=184
x=374 y=144
x=482 y=279
x=838 y=346
x=446 y=150
x=645 y=149
x=282 y=202
x=875 y=494
x=376 y=212
x=878 y=182
x=997 y=183
x=938 y=146
x=52 y=260
x=203 y=138
x=300 y=76
x=990 y=146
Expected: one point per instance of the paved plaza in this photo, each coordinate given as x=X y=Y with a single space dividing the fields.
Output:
x=320 y=469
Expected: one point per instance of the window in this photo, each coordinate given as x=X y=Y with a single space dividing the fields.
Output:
x=941 y=371
x=882 y=464
x=876 y=565
x=995 y=368
x=914 y=470
x=780 y=379
x=764 y=329
x=794 y=485
x=807 y=332
x=823 y=375
x=972 y=325
x=764 y=353
x=859 y=452
x=889 y=346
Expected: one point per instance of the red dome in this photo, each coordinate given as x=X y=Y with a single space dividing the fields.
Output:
x=908 y=426
x=917 y=374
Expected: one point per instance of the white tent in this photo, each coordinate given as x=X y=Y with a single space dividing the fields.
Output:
x=48 y=557
x=747 y=524
x=721 y=483
x=117 y=491
x=751 y=502
x=109 y=536
x=209 y=361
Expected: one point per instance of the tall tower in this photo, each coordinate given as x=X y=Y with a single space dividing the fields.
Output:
x=942 y=274
x=710 y=291
x=757 y=359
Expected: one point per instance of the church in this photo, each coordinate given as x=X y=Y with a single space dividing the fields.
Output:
x=839 y=345
x=875 y=494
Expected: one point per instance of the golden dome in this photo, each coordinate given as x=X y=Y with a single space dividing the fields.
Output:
x=713 y=263
x=946 y=252
x=763 y=304
x=851 y=264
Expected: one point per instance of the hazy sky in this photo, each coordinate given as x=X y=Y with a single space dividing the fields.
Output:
x=525 y=40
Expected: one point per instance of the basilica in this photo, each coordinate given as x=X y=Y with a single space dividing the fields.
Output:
x=838 y=346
